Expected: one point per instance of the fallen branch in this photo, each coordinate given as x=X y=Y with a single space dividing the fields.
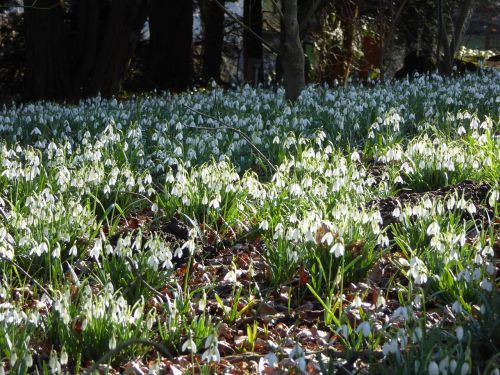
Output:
x=159 y=347
x=25 y=273
x=349 y=355
x=228 y=127
x=146 y=284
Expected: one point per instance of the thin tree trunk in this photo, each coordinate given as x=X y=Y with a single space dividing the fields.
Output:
x=292 y=53
x=122 y=32
x=387 y=39
x=47 y=67
x=348 y=13
x=170 y=58
x=252 y=47
x=90 y=26
x=213 y=24
x=459 y=28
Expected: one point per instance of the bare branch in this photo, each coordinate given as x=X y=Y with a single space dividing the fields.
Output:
x=254 y=34
x=159 y=347
x=59 y=3
x=228 y=127
x=25 y=273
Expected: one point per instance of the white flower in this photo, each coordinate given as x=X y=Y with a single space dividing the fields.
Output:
x=486 y=285
x=338 y=249
x=327 y=238
x=231 y=276
x=418 y=271
x=459 y=331
x=433 y=229
x=365 y=328
x=433 y=368
x=404 y=262
x=297 y=354
x=444 y=364
x=112 y=342
x=343 y=330
x=390 y=347
x=396 y=212
x=73 y=251
x=356 y=302
x=465 y=369
x=95 y=252
x=269 y=360
x=264 y=225
x=355 y=156
x=493 y=198
x=189 y=344
x=28 y=360
x=453 y=366
x=36 y=131
x=456 y=307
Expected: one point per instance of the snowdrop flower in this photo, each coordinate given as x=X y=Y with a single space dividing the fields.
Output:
x=36 y=131
x=327 y=238
x=418 y=271
x=112 y=342
x=456 y=307
x=298 y=356
x=433 y=368
x=459 y=331
x=343 y=330
x=390 y=347
x=269 y=360
x=189 y=344
x=401 y=312
x=396 y=212
x=433 y=229
x=444 y=364
x=338 y=249
x=493 y=198
x=264 y=225
x=365 y=328
x=486 y=285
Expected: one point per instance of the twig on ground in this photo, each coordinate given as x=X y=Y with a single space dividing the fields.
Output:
x=146 y=284
x=227 y=127
x=159 y=347
x=350 y=355
x=25 y=273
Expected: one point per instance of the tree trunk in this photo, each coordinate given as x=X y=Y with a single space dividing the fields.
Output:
x=348 y=14
x=252 y=48
x=122 y=31
x=170 y=58
x=213 y=25
x=90 y=15
x=459 y=28
x=47 y=67
x=293 y=54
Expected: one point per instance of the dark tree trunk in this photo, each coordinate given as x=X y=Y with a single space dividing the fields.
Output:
x=170 y=54
x=348 y=14
x=47 y=67
x=460 y=25
x=213 y=24
x=90 y=26
x=292 y=58
x=252 y=48
x=122 y=31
